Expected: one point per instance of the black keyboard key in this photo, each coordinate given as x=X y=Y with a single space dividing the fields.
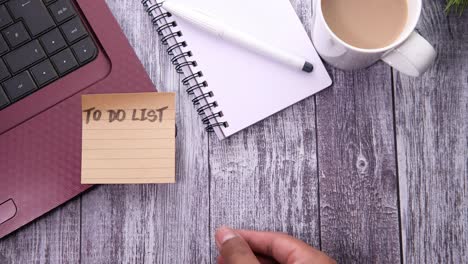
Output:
x=19 y=86
x=53 y=41
x=44 y=73
x=16 y=34
x=64 y=61
x=24 y=56
x=34 y=14
x=3 y=45
x=84 y=50
x=62 y=10
x=3 y=99
x=4 y=73
x=73 y=30
x=40 y=42
x=5 y=18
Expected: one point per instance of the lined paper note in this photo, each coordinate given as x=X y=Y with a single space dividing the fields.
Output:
x=128 y=138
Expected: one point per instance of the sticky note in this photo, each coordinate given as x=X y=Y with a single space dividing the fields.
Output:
x=128 y=138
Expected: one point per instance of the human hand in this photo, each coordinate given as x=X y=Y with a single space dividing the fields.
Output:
x=252 y=247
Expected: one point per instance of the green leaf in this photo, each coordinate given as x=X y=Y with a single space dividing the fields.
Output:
x=457 y=6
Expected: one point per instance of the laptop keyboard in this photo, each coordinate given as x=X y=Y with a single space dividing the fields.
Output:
x=40 y=42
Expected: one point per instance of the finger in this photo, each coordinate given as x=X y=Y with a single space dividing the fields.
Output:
x=265 y=260
x=233 y=248
x=262 y=259
x=283 y=248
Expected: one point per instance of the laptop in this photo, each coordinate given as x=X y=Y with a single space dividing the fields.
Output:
x=52 y=52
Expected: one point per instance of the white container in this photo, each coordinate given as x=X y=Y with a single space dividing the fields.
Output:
x=410 y=54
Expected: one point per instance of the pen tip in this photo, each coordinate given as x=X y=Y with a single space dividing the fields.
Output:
x=308 y=67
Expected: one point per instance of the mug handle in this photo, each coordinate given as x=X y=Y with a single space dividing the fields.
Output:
x=413 y=57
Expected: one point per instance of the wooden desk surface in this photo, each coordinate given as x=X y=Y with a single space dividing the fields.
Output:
x=372 y=170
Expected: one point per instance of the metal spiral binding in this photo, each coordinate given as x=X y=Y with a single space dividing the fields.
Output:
x=201 y=110
x=197 y=99
x=168 y=25
x=165 y=28
x=191 y=89
x=187 y=79
x=175 y=59
x=206 y=120
x=172 y=35
x=185 y=64
x=171 y=49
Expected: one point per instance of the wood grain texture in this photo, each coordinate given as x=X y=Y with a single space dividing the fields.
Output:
x=331 y=181
x=51 y=239
x=153 y=223
x=265 y=177
x=357 y=168
x=432 y=131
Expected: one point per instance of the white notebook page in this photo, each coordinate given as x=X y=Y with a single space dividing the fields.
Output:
x=249 y=87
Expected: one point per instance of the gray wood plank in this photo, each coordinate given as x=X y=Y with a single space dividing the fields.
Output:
x=357 y=168
x=432 y=131
x=53 y=238
x=265 y=177
x=153 y=223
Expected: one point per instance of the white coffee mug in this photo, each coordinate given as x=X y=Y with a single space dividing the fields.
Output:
x=410 y=53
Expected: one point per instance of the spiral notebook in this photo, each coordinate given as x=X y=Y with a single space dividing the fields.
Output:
x=232 y=87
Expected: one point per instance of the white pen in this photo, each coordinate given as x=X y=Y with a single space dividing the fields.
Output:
x=224 y=31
